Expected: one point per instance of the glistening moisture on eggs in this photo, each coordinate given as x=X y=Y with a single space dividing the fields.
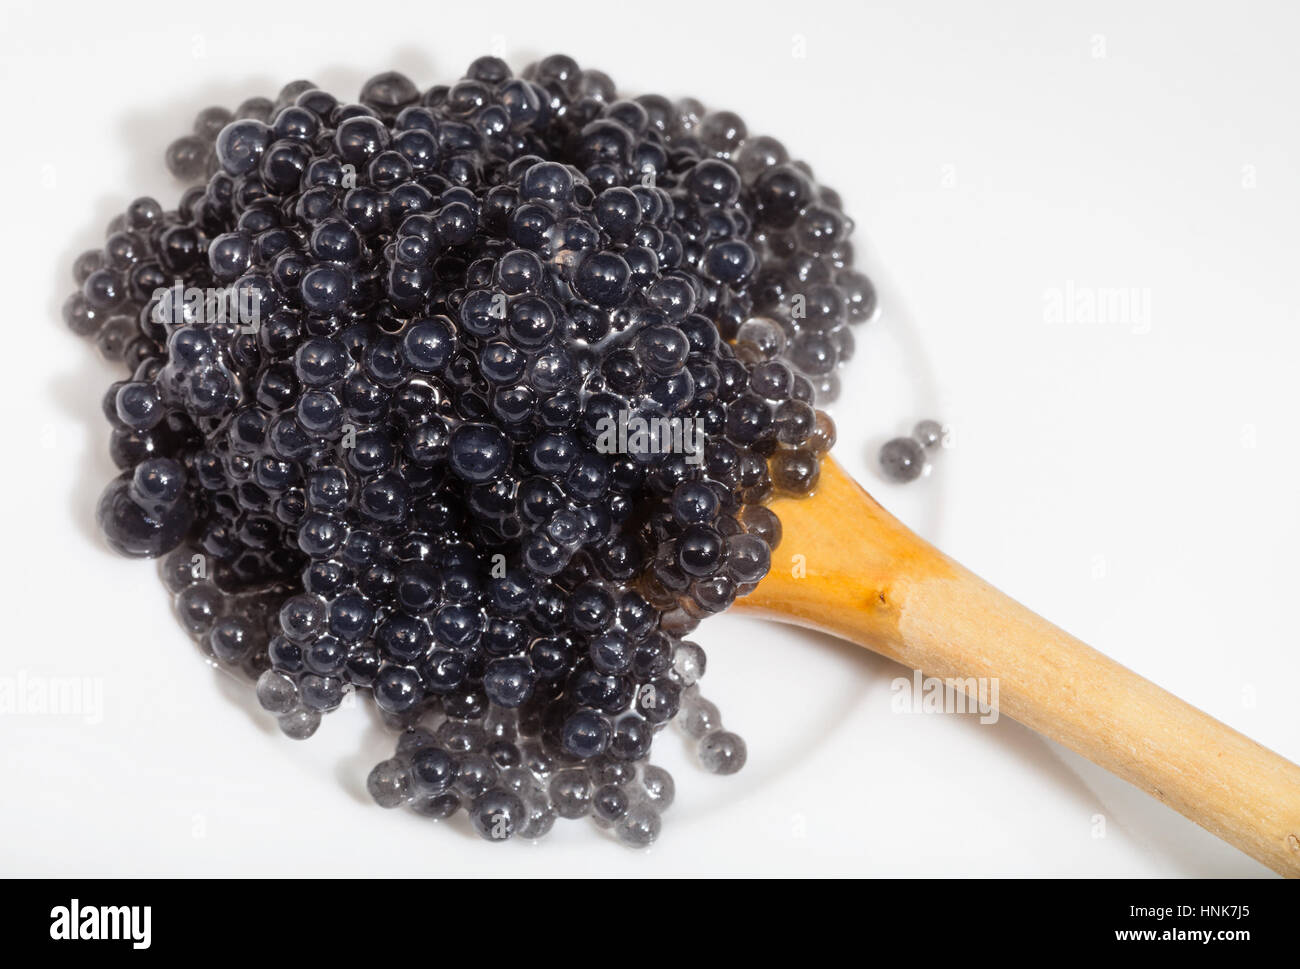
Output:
x=470 y=401
x=624 y=433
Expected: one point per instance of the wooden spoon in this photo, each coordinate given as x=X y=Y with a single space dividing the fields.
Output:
x=849 y=568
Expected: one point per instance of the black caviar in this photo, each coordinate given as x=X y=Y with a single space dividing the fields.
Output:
x=471 y=399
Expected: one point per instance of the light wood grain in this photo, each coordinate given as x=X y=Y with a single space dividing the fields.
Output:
x=865 y=577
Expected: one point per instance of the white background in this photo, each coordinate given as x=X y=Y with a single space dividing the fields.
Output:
x=1134 y=483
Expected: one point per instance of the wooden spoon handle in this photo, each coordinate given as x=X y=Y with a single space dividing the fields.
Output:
x=847 y=567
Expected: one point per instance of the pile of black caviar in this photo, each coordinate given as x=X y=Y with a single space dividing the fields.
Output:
x=392 y=365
